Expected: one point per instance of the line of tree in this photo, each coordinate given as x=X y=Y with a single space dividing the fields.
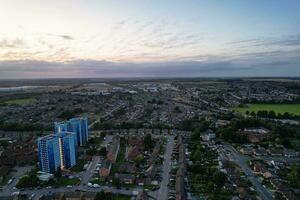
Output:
x=283 y=101
x=67 y=114
x=17 y=126
x=281 y=133
x=272 y=115
x=128 y=125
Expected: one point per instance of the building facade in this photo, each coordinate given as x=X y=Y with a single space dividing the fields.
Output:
x=67 y=149
x=57 y=151
x=49 y=153
x=79 y=126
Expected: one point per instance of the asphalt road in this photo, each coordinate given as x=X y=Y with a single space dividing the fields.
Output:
x=242 y=162
x=39 y=193
x=19 y=172
x=106 y=115
x=162 y=193
x=87 y=175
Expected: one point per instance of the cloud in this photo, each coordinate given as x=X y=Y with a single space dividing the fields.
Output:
x=66 y=37
x=285 y=41
x=11 y=44
x=214 y=67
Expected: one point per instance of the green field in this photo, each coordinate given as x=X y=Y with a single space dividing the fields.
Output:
x=277 y=108
x=20 y=101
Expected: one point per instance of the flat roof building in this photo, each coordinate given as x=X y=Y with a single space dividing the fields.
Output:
x=49 y=153
x=79 y=126
x=57 y=151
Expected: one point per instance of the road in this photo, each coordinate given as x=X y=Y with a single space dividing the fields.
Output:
x=39 y=193
x=280 y=159
x=89 y=172
x=16 y=175
x=162 y=193
x=242 y=162
x=106 y=115
x=85 y=177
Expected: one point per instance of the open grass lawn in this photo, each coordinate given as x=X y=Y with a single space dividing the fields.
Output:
x=277 y=108
x=20 y=101
x=66 y=181
x=121 y=197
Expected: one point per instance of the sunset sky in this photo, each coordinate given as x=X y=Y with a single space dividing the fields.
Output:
x=149 y=38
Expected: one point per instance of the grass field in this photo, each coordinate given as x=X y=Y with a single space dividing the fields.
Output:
x=20 y=101
x=277 y=108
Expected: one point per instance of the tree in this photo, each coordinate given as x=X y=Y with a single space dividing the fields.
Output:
x=117 y=183
x=253 y=114
x=294 y=175
x=57 y=173
x=148 y=142
x=102 y=151
x=272 y=114
x=219 y=178
x=91 y=151
x=177 y=110
x=103 y=196
x=27 y=181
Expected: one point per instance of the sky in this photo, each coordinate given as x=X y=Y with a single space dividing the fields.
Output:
x=155 y=38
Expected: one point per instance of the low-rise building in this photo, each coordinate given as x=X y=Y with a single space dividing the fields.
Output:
x=125 y=178
x=257 y=134
x=105 y=168
x=113 y=149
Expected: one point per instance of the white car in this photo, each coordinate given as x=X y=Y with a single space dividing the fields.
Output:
x=32 y=196
x=10 y=181
x=96 y=186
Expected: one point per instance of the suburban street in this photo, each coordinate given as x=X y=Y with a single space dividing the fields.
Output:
x=39 y=192
x=106 y=115
x=20 y=171
x=86 y=175
x=162 y=193
x=242 y=162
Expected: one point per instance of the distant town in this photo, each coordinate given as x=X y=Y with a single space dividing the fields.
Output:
x=161 y=139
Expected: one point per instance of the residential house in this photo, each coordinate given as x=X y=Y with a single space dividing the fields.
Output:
x=290 y=153
x=132 y=153
x=113 y=149
x=105 y=168
x=142 y=196
x=275 y=151
x=260 y=152
x=125 y=178
x=257 y=134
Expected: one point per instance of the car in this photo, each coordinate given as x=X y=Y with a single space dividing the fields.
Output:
x=32 y=196
x=96 y=186
x=69 y=186
x=15 y=193
x=10 y=181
